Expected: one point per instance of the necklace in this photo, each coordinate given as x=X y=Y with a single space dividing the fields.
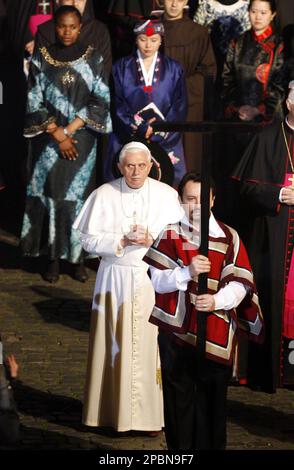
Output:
x=58 y=63
x=134 y=215
x=289 y=156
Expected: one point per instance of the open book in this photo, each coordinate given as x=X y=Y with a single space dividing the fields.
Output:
x=148 y=112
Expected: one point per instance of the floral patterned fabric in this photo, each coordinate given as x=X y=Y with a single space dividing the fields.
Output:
x=131 y=96
x=59 y=91
x=225 y=22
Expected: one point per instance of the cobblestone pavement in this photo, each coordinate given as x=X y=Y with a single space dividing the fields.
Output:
x=46 y=327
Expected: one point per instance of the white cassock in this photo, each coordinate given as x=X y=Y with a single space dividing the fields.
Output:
x=122 y=390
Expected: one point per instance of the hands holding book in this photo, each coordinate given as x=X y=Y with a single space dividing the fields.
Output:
x=144 y=118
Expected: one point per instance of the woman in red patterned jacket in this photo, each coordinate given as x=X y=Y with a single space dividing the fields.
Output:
x=252 y=77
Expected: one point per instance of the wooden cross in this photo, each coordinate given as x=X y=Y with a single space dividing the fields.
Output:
x=209 y=128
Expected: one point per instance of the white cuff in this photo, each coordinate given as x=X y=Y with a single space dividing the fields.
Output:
x=183 y=275
x=170 y=280
x=119 y=252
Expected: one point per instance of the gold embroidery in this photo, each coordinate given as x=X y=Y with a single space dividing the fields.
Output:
x=158 y=377
x=158 y=369
x=93 y=124
x=58 y=63
x=37 y=128
x=68 y=78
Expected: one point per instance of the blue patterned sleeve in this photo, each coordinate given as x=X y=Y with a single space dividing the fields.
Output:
x=37 y=115
x=96 y=114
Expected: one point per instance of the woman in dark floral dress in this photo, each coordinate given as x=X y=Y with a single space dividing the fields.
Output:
x=68 y=102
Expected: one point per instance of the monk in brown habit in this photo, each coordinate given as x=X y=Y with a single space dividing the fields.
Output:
x=189 y=44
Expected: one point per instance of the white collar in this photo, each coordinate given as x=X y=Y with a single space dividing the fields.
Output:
x=214 y=229
x=148 y=76
x=128 y=189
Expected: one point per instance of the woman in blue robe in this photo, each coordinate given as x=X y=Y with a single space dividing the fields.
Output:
x=147 y=79
x=68 y=102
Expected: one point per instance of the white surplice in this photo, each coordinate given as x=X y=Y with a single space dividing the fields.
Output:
x=121 y=383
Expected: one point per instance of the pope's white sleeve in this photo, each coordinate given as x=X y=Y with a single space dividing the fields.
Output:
x=105 y=244
x=170 y=280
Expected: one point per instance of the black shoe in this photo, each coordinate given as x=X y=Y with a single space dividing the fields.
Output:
x=52 y=273
x=80 y=273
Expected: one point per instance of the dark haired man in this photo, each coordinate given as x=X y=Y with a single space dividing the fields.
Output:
x=195 y=390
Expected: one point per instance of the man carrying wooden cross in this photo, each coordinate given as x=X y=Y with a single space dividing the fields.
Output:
x=195 y=388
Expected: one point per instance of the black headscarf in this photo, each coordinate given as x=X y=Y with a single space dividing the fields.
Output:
x=93 y=33
x=67 y=53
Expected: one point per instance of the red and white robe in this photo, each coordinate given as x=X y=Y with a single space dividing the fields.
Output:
x=176 y=312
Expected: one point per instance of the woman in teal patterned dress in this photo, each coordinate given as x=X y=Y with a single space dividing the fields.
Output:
x=68 y=103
